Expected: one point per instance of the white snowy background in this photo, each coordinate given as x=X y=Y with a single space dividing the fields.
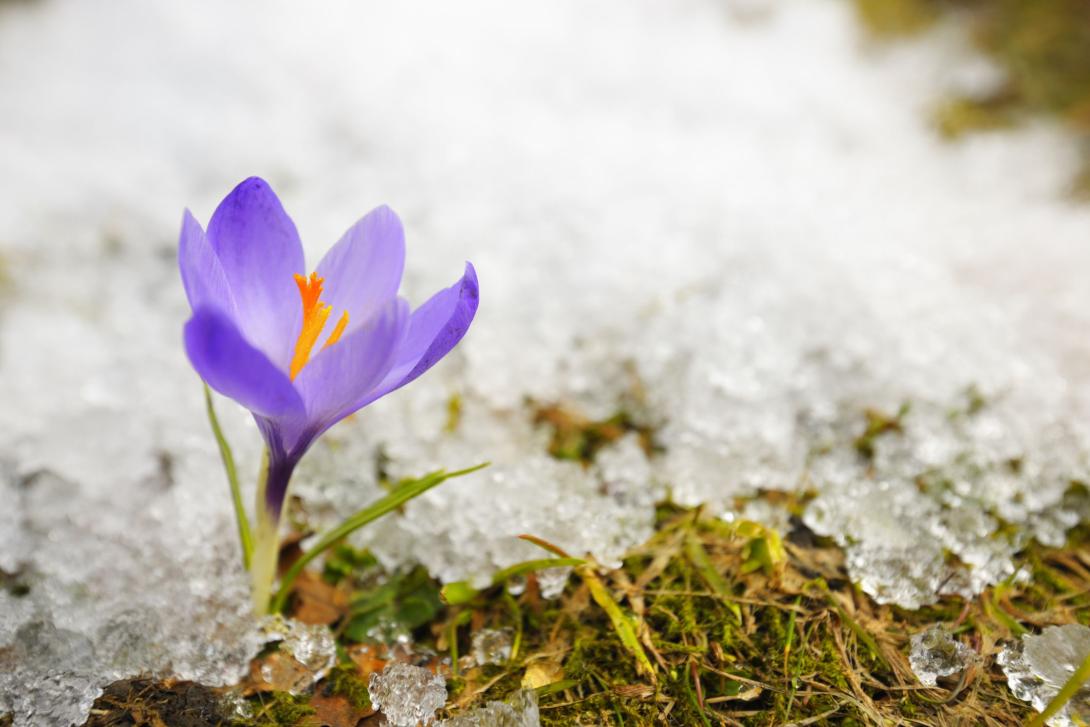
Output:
x=729 y=219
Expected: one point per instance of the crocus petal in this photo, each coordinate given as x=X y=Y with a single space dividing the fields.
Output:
x=203 y=278
x=260 y=252
x=236 y=369
x=346 y=371
x=434 y=329
x=363 y=270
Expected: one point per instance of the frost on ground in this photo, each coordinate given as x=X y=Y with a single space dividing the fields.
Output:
x=1038 y=665
x=745 y=240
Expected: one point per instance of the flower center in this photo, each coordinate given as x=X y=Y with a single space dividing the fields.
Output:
x=315 y=313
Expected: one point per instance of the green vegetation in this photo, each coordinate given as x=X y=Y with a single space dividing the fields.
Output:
x=1043 y=47
x=713 y=623
x=707 y=623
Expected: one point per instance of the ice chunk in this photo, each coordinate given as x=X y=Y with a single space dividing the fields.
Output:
x=936 y=653
x=1038 y=665
x=407 y=694
x=312 y=646
x=491 y=646
x=518 y=710
x=307 y=653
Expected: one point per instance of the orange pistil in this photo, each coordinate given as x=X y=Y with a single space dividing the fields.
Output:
x=315 y=314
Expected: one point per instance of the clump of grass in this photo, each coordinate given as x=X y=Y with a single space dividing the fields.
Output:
x=789 y=643
x=707 y=623
x=575 y=437
x=737 y=626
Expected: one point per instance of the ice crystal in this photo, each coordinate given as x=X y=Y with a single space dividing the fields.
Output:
x=1038 y=665
x=518 y=710
x=307 y=653
x=936 y=653
x=407 y=694
x=491 y=646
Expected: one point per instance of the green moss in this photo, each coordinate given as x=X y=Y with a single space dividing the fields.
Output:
x=574 y=437
x=277 y=709
x=792 y=643
x=344 y=680
x=879 y=424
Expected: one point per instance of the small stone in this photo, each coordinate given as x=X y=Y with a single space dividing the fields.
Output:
x=936 y=653
x=407 y=694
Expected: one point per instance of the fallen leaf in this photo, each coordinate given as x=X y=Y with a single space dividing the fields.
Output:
x=541 y=673
x=318 y=602
x=336 y=711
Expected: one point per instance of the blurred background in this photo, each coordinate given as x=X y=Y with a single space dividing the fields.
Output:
x=734 y=226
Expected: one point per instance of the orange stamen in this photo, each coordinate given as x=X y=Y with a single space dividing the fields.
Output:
x=337 y=331
x=315 y=314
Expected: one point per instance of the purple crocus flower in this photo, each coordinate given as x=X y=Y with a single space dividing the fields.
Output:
x=303 y=352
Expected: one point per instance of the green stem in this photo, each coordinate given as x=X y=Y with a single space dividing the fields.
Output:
x=244 y=536
x=1069 y=689
x=266 y=546
x=372 y=512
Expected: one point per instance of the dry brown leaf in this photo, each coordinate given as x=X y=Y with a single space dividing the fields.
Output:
x=336 y=711
x=634 y=691
x=276 y=672
x=368 y=658
x=318 y=602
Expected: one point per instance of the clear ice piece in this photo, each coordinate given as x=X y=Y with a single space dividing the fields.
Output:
x=518 y=710
x=1038 y=665
x=307 y=653
x=491 y=646
x=407 y=694
x=936 y=653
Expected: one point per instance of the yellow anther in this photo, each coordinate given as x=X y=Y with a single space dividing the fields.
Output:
x=315 y=314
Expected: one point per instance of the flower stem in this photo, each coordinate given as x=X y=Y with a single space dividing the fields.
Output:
x=244 y=536
x=375 y=510
x=266 y=546
x=1069 y=689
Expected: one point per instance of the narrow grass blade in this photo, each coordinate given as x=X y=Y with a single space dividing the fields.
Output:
x=245 y=537
x=622 y=624
x=459 y=592
x=372 y=512
x=545 y=545
x=703 y=564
